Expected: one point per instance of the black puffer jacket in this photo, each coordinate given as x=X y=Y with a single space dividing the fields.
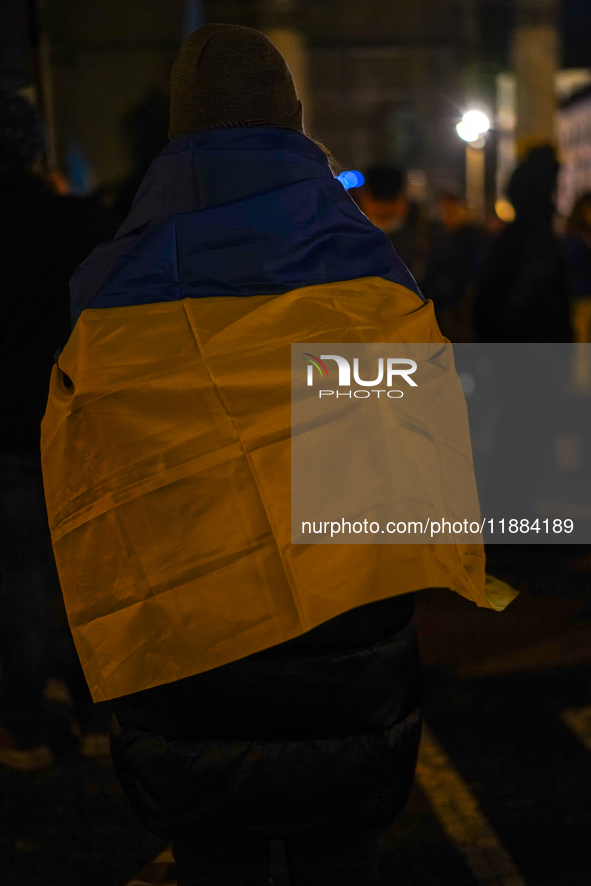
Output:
x=319 y=733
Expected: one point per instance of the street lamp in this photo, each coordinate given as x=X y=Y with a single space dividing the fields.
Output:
x=471 y=129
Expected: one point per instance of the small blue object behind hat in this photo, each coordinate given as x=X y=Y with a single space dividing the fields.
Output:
x=351 y=179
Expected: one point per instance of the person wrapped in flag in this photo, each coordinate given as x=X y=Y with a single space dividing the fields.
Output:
x=262 y=690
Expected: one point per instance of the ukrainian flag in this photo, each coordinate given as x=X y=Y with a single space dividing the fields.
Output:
x=166 y=441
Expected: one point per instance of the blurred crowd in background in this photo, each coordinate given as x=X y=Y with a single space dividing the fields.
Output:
x=527 y=280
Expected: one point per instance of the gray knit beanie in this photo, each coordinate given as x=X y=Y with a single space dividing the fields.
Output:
x=230 y=75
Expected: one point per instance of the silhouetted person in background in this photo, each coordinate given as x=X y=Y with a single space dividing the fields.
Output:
x=524 y=291
x=44 y=237
x=384 y=201
x=523 y=299
x=454 y=265
x=577 y=250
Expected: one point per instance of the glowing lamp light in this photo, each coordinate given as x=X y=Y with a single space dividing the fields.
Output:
x=351 y=179
x=477 y=120
x=465 y=132
x=472 y=126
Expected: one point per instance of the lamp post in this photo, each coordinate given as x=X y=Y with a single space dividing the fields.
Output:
x=471 y=129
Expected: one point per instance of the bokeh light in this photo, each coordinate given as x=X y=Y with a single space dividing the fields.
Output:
x=351 y=179
x=504 y=210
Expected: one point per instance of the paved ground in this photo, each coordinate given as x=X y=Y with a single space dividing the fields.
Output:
x=504 y=779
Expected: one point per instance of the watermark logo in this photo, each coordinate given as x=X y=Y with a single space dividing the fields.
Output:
x=314 y=361
x=389 y=369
